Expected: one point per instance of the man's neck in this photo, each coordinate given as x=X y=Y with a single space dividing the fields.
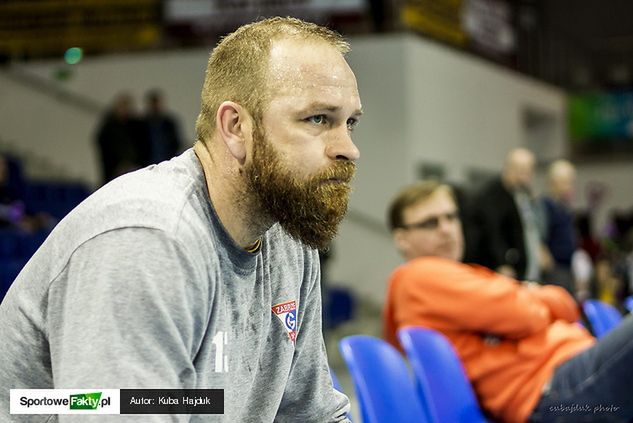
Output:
x=235 y=207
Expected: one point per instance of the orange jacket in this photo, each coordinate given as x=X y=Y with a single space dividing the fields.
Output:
x=510 y=337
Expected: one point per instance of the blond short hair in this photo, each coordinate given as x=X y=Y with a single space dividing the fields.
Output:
x=411 y=195
x=238 y=67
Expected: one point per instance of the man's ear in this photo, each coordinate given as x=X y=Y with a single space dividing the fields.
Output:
x=400 y=240
x=233 y=123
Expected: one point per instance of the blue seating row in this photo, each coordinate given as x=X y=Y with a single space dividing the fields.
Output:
x=602 y=317
x=440 y=390
x=386 y=392
x=16 y=248
x=17 y=244
x=57 y=199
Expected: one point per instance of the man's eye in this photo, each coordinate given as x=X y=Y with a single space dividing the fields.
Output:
x=318 y=119
x=431 y=223
x=351 y=124
x=452 y=216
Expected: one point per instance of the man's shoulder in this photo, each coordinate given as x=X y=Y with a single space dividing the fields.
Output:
x=434 y=262
x=493 y=187
x=166 y=197
x=430 y=268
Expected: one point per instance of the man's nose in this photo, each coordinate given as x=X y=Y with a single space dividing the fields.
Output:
x=341 y=147
x=446 y=223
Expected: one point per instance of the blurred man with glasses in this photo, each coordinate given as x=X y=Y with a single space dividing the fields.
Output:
x=521 y=348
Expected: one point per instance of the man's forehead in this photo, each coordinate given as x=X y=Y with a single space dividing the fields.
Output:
x=287 y=51
x=438 y=202
x=308 y=64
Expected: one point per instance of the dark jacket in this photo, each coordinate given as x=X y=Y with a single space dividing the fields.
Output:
x=560 y=236
x=500 y=240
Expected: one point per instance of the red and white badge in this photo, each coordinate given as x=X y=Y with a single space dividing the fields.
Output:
x=287 y=313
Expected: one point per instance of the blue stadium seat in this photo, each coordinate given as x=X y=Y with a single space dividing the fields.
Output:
x=384 y=387
x=30 y=242
x=54 y=198
x=17 y=244
x=16 y=180
x=339 y=306
x=9 y=244
x=603 y=317
x=442 y=384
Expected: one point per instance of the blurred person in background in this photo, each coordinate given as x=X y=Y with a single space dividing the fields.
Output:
x=627 y=268
x=588 y=241
x=508 y=220
x=519 y=342
x=621 y=254
x=379 y=14
x=608 y=284
x=203 y=271
x=582 y=269
x=120 y=139
x=611 y=264
x=560 y=233
x=585 y=257
x=161 y=129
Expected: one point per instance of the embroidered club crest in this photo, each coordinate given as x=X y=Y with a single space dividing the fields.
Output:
x=287 y=313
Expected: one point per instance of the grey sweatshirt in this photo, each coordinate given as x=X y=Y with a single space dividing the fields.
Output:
x=141 y=287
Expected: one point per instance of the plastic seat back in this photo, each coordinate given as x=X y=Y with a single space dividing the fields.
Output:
x=441 y=380
x=603 y=317
x=384 y=388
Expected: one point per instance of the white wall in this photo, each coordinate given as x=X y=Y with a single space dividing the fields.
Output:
x=465 y=112
x=180 y=73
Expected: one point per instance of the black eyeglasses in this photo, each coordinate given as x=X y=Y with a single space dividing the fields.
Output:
x=432 y=222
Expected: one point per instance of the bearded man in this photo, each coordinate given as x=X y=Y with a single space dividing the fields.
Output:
x=202 y=272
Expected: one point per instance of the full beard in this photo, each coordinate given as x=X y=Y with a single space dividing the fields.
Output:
x=309 y=210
